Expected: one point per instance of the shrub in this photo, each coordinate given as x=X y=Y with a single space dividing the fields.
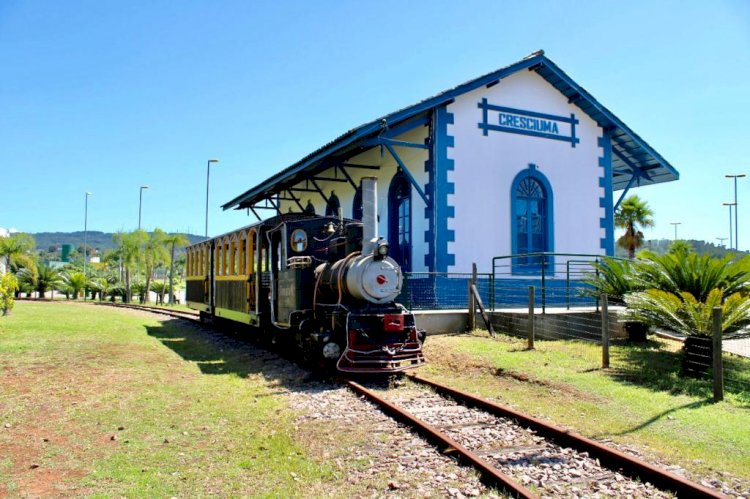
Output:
x=8 y=288
x=685 y=314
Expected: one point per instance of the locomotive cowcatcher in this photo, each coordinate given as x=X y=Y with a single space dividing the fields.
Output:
x=323 y=286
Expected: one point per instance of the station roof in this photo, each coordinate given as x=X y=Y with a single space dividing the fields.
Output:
x=634 y=162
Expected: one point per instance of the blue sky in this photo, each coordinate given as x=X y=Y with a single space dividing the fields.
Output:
x=108 y=96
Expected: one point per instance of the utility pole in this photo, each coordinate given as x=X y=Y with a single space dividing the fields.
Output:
x=736 y=226
x=675 y=228
x=85 y=234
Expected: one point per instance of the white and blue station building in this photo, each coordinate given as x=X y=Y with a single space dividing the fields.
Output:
x=520 y=160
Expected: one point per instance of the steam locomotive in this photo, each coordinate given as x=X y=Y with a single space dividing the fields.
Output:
x=323 y=286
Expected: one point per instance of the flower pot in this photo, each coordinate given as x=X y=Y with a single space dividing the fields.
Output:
x=636 y=330
x=697 y=357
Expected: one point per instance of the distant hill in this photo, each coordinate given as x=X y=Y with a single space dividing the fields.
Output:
x=661 y=246
x=99 y=240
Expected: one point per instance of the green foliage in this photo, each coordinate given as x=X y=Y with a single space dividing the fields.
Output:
x=8 y=287
x=613 y=277
x=684 y=314
x=692 y=273
x=14 y=246
x=45 y=278
x=631 y=215
x=75 y=281
x=680 y=248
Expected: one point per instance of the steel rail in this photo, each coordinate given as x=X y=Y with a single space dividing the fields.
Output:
x=431 y=433
x=609 y=457
x=189 y=316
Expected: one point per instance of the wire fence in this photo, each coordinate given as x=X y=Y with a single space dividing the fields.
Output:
x=550 y=298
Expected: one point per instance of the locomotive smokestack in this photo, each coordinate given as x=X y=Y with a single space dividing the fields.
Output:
x=369 y=214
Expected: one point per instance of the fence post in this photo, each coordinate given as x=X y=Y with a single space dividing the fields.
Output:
x=718 y=367
x=530 y=322
x=605 y=333
x=472 y=308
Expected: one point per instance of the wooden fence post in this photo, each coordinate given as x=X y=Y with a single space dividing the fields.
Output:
x=605 y=333
x=717 y=359
x=530 y=320
x=472 y=308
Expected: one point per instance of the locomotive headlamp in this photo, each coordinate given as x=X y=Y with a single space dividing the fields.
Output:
x=381 y=249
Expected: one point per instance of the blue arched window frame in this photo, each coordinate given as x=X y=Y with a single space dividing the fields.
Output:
x=532 y=266
x=399 y=220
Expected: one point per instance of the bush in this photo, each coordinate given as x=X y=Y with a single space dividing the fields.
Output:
x=8 y=288
x=685 y=314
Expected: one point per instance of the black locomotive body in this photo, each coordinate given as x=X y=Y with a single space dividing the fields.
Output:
x=324 y=286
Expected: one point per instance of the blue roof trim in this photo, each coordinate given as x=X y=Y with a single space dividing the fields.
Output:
x=641 y=155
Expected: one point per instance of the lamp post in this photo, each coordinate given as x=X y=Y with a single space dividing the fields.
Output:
x=140 y=204
x=730 y=221
x=721 y=241
x=675 y=228
x=736 y=227
x=208 y=173
x=85 y=234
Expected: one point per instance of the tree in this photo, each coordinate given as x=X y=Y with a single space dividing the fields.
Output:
x=632 y=215
x=8 y=288
x=14 y=246
x=76 y=281
x=174 y=241
x=46 y=278
x=155 y=253
x=129 y=247
x=680 y=247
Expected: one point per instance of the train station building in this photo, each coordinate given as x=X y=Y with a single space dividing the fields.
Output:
x=521 y=160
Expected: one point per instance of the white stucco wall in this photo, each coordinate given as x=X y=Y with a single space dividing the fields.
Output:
x=415 y=161
x=485 y=167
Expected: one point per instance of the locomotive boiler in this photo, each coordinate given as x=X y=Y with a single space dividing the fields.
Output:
x=322 y=286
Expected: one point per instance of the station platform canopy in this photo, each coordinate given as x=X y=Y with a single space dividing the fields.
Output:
x=634 y=162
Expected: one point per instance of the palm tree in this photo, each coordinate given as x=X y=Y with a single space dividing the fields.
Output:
x=46 y=278
x=129 y=248
x=14 y=246
x=631 y=216
x=155 y=254
x=76 y=281
x=175 y=241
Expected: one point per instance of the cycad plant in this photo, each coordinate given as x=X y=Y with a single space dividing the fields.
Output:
x=685 y=314
x=613 y=277
x=690 y=273
x=75 y=281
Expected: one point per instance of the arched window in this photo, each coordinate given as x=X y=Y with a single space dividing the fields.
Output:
x=531 y=213
x=399 y=220
x=357 y=204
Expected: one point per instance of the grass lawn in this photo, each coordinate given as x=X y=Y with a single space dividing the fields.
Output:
x=111 y=402
x=640 y=401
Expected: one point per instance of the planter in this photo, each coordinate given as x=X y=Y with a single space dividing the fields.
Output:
x=636 y=330
x=697 y=357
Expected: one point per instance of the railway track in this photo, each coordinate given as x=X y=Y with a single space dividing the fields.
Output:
x=522 y=455
x=179 y=314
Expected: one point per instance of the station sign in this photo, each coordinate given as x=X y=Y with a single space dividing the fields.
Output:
x=519 y=121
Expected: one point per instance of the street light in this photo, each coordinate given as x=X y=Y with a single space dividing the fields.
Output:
x=736 y=227
x=85 y=234
x=675 y=228
x=730 y=221
x=208 y=172
x=721 y=241
x=140 y=204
